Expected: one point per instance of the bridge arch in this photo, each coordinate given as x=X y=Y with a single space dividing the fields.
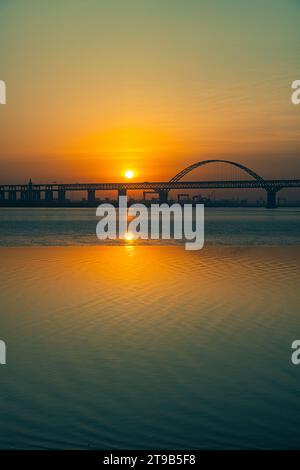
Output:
x=192 y=167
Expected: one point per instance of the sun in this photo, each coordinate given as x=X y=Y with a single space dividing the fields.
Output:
x=128 y=236
x=129 y=174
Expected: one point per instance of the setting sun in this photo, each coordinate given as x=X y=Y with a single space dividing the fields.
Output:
x=128 y=236
x=129 y=174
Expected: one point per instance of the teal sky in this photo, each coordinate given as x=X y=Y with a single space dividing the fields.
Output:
x=96 y=86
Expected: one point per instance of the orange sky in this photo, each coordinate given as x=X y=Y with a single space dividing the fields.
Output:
x=94 y=88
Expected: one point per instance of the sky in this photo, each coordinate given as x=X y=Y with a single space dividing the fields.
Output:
x=95 y=87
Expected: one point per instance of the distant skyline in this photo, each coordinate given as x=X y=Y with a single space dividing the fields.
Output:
x=98 y=87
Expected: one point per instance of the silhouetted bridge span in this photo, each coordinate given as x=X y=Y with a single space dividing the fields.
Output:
x=33 y=193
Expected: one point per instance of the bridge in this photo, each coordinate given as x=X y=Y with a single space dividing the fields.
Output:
x=32 y=194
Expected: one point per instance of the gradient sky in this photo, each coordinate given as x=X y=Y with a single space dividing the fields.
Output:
x=95 y=87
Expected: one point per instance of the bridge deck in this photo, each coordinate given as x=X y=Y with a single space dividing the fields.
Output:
x=156 y=186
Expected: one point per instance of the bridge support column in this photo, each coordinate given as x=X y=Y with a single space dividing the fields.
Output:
x=2 y=196
x=12 y=195
x=163 y=196
x=122 y=192
x=61 y=195
x=48 y=195
x=24 y=196
x=36 y=195
x=91 y=195
x=271 y=199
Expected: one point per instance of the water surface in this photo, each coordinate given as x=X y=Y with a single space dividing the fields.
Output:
x=149 y=347
x=234 y=226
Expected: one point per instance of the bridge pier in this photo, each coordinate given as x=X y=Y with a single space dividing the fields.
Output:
x=61 y=195
x=12 y=195
x=271 y=198
x=163 y=196
x=122 y=192
x=24 y=196
x=48 y=195
x=2 y=195
x=91 y=195
x=36 y=195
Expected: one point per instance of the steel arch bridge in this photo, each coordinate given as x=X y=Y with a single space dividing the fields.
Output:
x=42 y=194
x=244 y=168
x=270 y=188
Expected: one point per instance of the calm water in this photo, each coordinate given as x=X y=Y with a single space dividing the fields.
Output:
x=23 y=227
x=149 y=346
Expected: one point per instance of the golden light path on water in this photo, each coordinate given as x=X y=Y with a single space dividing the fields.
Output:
x=147 y=347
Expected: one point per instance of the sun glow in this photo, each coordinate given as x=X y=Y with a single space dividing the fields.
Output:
x=128 y=236
x=129 y=174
